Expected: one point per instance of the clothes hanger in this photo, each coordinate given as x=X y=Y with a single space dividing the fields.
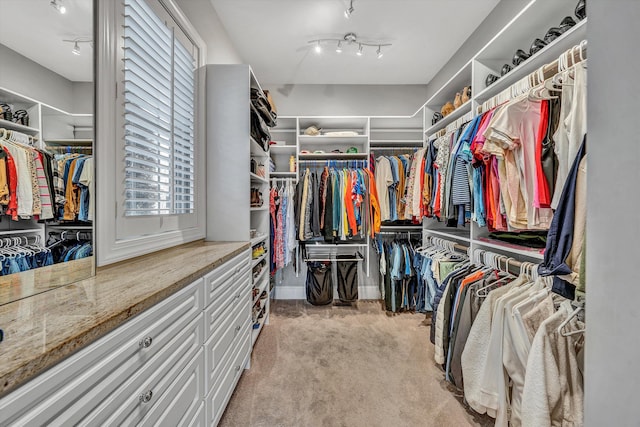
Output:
x=573 y=314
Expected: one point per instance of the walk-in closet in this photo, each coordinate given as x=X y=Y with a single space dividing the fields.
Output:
x=319 y=213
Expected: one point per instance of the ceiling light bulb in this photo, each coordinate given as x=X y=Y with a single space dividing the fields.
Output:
x=379 y=52
x=339 y=47
x=318 y=48
x=62 y=9
x=76 y=49
x=359 y=52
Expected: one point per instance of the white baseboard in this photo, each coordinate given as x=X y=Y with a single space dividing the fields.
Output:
x=298 y=292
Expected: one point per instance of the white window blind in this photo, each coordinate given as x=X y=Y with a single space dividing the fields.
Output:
x=159 y=106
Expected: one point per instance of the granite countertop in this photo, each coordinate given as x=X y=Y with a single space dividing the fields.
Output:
x=41 y=330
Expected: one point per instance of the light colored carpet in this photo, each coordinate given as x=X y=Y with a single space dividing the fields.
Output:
x=343 y=366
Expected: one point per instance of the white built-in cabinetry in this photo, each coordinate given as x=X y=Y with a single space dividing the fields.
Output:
x=176 y=363
x=230 y=150
x=532 y=22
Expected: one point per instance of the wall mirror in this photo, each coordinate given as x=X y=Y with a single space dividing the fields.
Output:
x=46 y=145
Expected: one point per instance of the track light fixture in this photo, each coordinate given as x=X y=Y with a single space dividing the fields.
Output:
x=76 y=44
x=57 y=5
x=349 y=10
x=348 y=40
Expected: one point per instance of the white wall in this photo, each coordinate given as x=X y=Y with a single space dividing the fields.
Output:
x=497 y=19
x=82 y=97
x=203 y=17
x=347 y=100
x=26 y=77
x=613 y=233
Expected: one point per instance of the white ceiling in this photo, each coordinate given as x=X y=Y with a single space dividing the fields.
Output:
x=35 y=29
x=272 y=37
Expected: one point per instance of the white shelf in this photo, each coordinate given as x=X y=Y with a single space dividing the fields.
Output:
x=510 y=247
x=80 y=142
x=25 y=231
x=455 y=115
x=550 y=53
x=333 y=156
x=256 y=261
x=284 y=174
x=256 y=148
x=71 y=227
x=261 y=208
x=418 y=142
x=282 y=147
x=462 y=235
x=6 y=124
x=257 y=240
x=281 y=130
x=308 y=138
x=257 y=178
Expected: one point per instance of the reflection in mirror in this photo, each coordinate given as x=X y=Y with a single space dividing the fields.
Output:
x=46 y=145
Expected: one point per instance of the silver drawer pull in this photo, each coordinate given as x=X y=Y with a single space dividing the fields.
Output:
x=238 y=296
x=238 y=270
x=238 y=328
x=146 y=342
x=145 y=398
x=237 y=368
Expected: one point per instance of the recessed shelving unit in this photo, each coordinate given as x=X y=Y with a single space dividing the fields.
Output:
x=531 y=22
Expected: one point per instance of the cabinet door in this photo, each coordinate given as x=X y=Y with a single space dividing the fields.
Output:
x=199 y=420
x=100 y=368
x=225 y=275
x=218 y=397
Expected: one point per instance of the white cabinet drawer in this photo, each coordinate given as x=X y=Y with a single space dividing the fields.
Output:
x=231 y=297
x=199 y=420
x=181 y=402
x=228 y=272
x=131 y=402
x=234 y=325
x=217 y=399
x=103 y=366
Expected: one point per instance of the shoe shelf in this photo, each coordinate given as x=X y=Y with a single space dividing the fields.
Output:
x=259 y=239
x=262 y=281
x=256 y=261
x=264 y=310
x=452 y=117
x=258 y=209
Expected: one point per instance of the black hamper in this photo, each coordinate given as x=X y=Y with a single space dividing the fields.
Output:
x=319 y=285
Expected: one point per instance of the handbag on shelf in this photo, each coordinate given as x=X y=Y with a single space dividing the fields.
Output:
x=466 y=94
